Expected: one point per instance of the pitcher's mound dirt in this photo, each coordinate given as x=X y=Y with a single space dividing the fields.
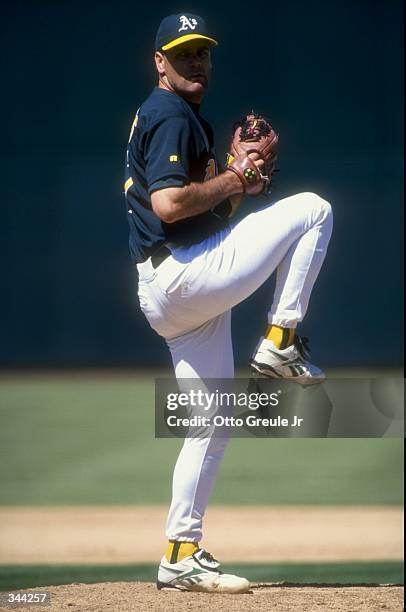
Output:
x=142 y=596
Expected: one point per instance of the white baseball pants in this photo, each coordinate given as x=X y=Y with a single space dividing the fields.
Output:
x=188 y=301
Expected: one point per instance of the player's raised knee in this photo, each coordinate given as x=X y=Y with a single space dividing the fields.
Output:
x=318 y=204
x=325 y=207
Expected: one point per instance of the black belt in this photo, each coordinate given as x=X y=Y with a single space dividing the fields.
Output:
x=159 y=256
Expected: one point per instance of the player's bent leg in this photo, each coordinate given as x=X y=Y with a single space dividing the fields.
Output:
x=290 y=236
x=298 y=270
x=290 y=303
x=228 y=267
x=198 y=283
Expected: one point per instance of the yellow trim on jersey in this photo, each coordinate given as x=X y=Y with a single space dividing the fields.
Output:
x=134 y=125
x=129 y=182
x=186 y=38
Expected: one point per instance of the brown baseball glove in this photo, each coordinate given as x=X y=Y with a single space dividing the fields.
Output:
x=253 y=134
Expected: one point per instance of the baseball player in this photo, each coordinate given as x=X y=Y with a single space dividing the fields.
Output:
x=194 y=264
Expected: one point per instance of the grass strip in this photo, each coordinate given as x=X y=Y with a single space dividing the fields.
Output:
x=379 y=572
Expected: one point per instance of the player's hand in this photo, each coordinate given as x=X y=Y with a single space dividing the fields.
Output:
x=258 y=161
x=253 y=153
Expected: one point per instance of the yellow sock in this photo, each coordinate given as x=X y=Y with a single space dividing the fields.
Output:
x=176 y=551
x=282 y=337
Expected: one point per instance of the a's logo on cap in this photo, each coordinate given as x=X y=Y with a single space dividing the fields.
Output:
x=187 y=23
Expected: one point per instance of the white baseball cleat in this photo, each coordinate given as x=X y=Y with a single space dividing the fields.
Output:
x=199 y=572
x=291 y=363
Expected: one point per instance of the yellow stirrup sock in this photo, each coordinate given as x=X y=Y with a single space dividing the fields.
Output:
x=282 y=337
x=176 y=551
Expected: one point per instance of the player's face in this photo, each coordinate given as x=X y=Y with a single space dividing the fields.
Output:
x=186 y=69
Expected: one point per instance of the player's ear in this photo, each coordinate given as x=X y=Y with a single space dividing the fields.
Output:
x=160 y=63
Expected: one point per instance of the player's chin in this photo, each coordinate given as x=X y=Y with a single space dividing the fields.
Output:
x=198 y=84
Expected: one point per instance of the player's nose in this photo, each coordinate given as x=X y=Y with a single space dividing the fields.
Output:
x=195 y=61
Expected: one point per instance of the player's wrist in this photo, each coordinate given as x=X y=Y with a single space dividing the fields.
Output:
x=248 y=173
x=234 y=182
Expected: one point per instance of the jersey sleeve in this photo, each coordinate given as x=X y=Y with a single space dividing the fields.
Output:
x=168 y=152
